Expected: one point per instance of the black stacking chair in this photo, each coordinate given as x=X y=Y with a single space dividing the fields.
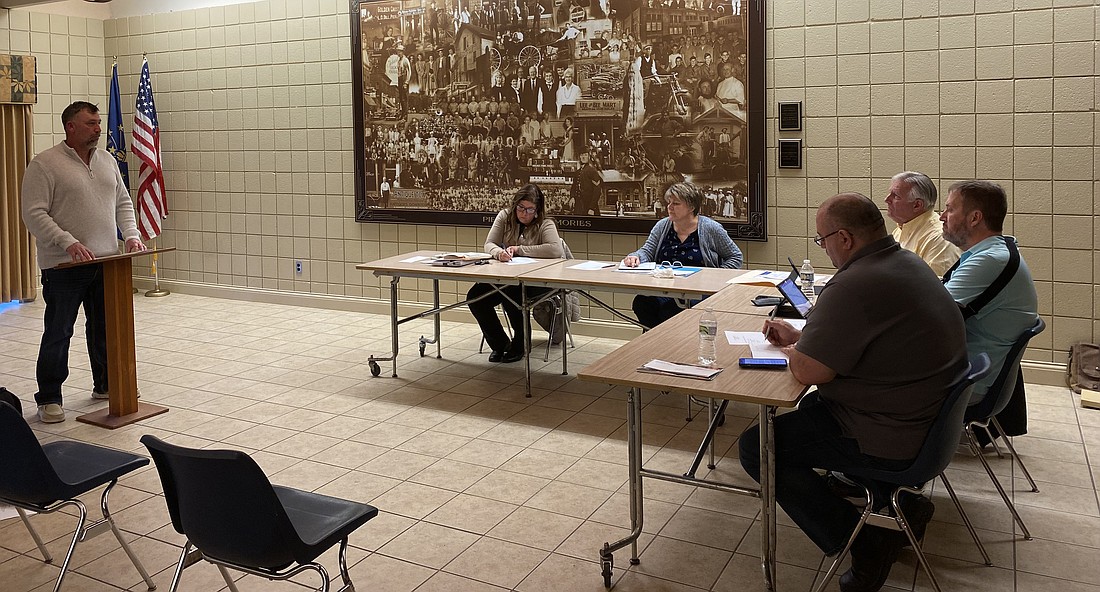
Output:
x=935 y=454
x=44 y=478
x=985 y=413
x=234 y=517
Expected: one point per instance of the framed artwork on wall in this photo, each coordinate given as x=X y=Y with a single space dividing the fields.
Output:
x=602 y=103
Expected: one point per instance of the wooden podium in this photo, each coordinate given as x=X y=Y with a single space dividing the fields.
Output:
x=118 y=302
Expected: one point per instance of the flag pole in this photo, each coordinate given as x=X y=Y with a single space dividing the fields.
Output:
x=157 y=291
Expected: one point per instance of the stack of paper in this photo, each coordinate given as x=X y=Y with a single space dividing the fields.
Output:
x=473 y=256
x=684 y=370
x=760 y=277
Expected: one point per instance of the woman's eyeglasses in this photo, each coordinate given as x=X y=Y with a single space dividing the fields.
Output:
x=523 y=210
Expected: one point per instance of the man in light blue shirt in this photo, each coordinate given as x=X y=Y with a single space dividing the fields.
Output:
x=973 y=218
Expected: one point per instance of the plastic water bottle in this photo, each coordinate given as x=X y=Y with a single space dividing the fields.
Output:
x=806 y=276
x=708 y=333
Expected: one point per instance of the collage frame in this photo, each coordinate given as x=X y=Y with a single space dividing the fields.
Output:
x=602 y=103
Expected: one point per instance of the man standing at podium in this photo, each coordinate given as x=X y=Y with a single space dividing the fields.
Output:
x=75 y=203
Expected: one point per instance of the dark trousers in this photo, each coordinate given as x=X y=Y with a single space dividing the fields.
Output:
x=806 y=439
x=1013 y=418
x=484 y=311
x=65 y=291
x=654 y=310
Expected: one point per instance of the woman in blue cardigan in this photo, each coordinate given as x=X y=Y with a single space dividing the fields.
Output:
x=686 y=237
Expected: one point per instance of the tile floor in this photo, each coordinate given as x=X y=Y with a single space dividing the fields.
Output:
x=481 y=489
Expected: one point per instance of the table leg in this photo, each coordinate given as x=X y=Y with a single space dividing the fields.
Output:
x=375 y=369
x=634 y=462
x=767 y=495
x=424 y=341
x=438 y=323
x=526 y=339
x=567 y=336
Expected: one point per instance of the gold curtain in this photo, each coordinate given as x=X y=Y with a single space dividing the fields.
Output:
x=18 y=275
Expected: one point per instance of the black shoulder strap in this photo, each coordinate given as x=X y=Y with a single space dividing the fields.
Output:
x=998 y=284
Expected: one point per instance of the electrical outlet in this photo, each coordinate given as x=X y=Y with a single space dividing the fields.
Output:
x=298 y=267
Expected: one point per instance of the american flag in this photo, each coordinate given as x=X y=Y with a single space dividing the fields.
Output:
x=151 y=204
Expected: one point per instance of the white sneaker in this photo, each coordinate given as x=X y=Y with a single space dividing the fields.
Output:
x=51 y=413
x=104 y=396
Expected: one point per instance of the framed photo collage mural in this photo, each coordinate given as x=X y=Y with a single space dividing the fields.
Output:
x=602 y=103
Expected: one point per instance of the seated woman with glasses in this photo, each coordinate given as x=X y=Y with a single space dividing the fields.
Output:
x=683 y=237
x=522 y=230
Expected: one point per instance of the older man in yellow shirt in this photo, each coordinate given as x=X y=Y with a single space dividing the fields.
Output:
x=911 y=203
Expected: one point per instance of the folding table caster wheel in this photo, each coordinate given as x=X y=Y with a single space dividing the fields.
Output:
x=422 y=345
x=375 y=369
x=607 y=563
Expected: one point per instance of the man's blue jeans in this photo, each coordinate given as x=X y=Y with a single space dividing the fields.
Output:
x=806 y=439
x=65 y=291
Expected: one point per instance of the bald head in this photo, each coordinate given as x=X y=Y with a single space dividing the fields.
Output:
x=855 y=213
x=845 y=224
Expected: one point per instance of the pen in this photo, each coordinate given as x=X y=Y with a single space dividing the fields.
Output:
x=771 y=317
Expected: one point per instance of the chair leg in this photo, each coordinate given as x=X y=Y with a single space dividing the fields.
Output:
x=989 y=471
x=34 y=535
x=847 y=546
x=228 y=580
x=1019 y=461
x=904 y=524
x=344 y=575
x=76 y=538
x=965 y=519
x=992 y=440
x=118 y=535
x=183 y=563
x=321 y=571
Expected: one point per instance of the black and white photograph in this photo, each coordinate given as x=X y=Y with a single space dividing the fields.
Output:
x=603 y=104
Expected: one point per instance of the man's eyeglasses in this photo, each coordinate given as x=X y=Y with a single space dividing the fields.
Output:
x=820 y=240
x=523 y=210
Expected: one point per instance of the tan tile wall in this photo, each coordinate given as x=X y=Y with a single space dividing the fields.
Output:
x=992 y=89
x=255 y=107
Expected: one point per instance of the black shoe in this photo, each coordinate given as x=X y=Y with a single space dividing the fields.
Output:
x=873 y=554
x=496 y=356
x=918 y=512
x=512 y=356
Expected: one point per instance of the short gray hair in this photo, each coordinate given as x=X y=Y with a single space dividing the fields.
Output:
x=921 y=188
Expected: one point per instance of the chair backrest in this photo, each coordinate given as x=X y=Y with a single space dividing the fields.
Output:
x=26 y=475
x=9 y=397
x=1000 y=392
x=565 y=252
x=225 y=505
x=943 y=437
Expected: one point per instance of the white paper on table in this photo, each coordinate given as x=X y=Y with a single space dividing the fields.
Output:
x=766 y=350
x=744 y=337
x=760 y=276
x=799 y=324
x=521 y=261
x=592 y=265
x=687 y=370
x=415 y=259
x=641 y=268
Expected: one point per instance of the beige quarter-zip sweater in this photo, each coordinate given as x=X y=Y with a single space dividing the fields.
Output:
x=66 y=201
